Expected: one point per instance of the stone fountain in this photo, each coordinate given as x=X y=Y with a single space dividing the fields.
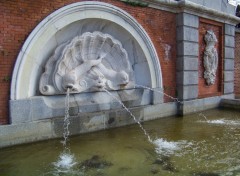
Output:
x=104 y=47
x=91 y=46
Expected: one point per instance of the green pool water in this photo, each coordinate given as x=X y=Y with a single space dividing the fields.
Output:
x=188 y=146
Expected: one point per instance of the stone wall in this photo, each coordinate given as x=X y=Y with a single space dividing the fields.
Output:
x=176 y=29
x=237 y=65
x=20 y=17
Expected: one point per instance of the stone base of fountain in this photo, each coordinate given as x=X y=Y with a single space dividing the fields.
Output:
x=91 y=115
x=191 y=106
x=230 y=103
x=44 y=107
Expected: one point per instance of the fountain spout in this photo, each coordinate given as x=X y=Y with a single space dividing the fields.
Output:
x=69 y=86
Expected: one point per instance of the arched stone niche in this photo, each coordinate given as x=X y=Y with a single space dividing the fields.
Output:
x=74 y=20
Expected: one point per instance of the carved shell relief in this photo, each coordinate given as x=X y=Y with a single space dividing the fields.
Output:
x=210 y=59
x=88 y=62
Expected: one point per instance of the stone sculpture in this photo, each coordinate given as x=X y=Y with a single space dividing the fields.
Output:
x=89 y=62
x=210 y=58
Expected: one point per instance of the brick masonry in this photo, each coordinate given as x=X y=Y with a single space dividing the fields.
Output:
x=19 y=18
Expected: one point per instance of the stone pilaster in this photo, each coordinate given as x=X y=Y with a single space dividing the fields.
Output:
x=229 y=46
x=187 y=56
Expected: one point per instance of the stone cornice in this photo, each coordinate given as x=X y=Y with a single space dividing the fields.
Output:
x=193 y=8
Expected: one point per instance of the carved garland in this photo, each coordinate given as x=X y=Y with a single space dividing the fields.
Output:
x=210 y=58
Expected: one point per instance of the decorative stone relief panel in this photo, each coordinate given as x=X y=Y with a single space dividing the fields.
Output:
x=210 y=58
x=89 y=62
x=63 y=25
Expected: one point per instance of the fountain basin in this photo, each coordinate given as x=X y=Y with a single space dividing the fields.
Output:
x=47 y=122
x=185 y=146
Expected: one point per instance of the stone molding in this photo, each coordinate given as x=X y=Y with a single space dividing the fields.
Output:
x=30 y=61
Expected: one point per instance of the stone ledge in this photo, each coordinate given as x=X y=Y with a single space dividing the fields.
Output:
x=45 y=107
x=89 y=122
x=25 y=133
x=230 y=103
x=82 y=123
x=193 y=106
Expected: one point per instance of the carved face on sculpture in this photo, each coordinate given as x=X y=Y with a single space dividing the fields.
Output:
x=88 y=62
x=69 y=81
x=210 y=38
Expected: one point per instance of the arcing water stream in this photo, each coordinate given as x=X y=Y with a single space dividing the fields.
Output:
x=174 y=99
x=66 y=159
x=161 y=92
x=162 y=146
x=66 y=121
x=137 y=121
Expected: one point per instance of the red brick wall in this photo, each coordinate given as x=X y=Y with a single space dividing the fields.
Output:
x=205 y=90
x=19 y=17
x=237 y=66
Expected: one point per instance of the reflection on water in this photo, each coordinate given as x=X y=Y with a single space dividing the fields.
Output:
x=223 y=122
x=185 y=146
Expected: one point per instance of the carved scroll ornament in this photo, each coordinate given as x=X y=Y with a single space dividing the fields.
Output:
x=89 y=62
x=210 y=58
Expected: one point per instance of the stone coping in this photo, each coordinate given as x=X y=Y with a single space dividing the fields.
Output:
x=230 y=103
x=50 y=128
x=187 y=6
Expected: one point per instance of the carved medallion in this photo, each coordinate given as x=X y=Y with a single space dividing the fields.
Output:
x=210 y=58
x=88 y=62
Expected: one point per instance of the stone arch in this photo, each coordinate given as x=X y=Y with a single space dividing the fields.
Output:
x=45 y=38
